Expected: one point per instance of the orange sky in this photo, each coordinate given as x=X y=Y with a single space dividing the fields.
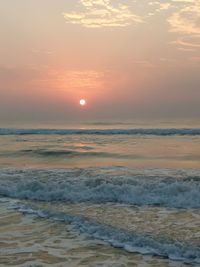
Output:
x=129 y=59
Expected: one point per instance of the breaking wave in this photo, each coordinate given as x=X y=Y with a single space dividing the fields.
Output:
x=98 y=185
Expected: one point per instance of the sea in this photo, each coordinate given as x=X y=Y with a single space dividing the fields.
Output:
x=100 y=194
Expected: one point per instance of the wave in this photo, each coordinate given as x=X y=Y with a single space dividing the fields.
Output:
x=130 y=241
x=58 y=154
x=135 y=131
x=100 y=185
x=61 y=153
x=84 y=153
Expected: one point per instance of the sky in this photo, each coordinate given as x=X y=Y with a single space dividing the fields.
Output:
x=128 y=59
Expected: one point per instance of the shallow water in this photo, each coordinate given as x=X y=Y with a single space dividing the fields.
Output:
x=108 y=198
x=29 y=240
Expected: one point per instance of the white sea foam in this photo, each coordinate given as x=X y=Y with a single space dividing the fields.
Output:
x=134 y=131
x=178 y=189
x=131 y=242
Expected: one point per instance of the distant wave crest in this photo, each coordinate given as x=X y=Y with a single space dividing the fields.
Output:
x=135 y=131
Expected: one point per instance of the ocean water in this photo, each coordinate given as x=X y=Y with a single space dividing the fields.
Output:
x=100 y=194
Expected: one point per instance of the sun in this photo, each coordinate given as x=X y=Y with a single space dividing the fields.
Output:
x=82 y=102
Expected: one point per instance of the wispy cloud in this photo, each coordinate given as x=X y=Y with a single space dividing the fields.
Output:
x=87 y=79
x=186 y=22
x=41 y=51
x=191 y=44
x=102 y=13
x=158 y=6
x=165 y=6
x=187 y=19
x=144 y=63
x=68 y=80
